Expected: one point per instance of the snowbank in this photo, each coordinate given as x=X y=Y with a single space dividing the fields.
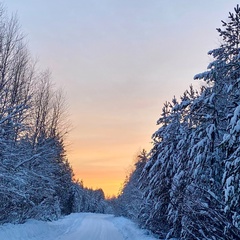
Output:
x=39 y=230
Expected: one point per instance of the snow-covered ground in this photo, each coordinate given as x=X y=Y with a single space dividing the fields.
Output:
x=77 y=226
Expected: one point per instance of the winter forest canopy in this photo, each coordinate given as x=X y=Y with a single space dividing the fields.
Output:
x=36 y=180
x=186 y=187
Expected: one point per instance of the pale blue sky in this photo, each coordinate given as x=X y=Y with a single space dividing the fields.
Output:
x=118 y=61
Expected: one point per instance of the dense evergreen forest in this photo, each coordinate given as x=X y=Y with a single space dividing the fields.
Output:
x=188 y=186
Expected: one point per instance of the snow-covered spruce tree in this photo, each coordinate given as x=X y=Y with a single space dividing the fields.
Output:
x=161 y=169
x=224 y=74
x=130 y=199
x=156 y=183
x=167 y=169
x=202 y=200
x=181 y=176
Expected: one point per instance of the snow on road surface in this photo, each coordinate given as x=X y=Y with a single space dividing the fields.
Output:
x=76 y=226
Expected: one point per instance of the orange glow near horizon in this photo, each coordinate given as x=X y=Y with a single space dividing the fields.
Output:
x=109 y=181
x=103 y=166
x=104 y=144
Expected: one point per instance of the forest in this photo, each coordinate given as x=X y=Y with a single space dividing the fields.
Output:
x=186 y=187
x=36 y=179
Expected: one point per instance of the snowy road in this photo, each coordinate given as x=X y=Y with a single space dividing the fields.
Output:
x=93 y=227
x=78 y=226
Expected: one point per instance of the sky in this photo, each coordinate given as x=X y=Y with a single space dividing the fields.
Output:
x=118 y=61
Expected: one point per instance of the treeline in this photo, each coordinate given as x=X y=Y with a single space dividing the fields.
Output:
x=89 y=200
x=36 y=179
x=188 y=186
